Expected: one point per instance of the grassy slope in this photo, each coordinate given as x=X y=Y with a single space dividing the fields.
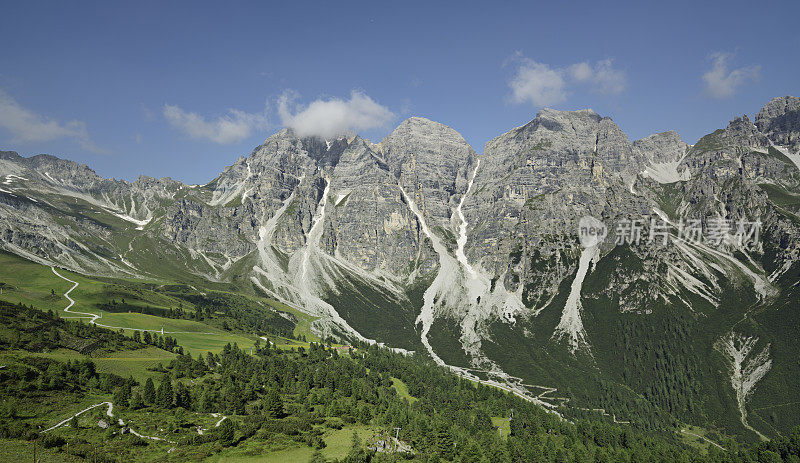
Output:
x=30 y=283
x=402 y=390
x=504 y=424
x=123 y=363
x=337 y=445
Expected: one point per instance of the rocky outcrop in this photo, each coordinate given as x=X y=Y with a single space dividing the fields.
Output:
x=779 y=120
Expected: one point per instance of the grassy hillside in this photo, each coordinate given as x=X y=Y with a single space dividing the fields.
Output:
x=200 y=321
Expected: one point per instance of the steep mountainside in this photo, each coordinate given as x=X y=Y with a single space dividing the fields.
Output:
x=421 y=244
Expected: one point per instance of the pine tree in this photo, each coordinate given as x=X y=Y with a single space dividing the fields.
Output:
x=355 y=442
x=136 y=401
x=183 y=397
x=444 y=443
x=357 y=454
x=207 y=403
x=273 y=405
x=149 y=394
x=165 y=396
x=122 y=396
x=226 y=432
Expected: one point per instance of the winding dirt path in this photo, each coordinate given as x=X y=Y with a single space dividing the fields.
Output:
x=94 y=317
x=110 y=414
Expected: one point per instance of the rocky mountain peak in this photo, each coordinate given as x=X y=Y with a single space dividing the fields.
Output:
x=779 y=120
x=478 y=251
x=743 y=132
x=419 y=143
x=661 y=147
x=776 y=107
x=10 y=155
x=420 y=130
x=557 y=137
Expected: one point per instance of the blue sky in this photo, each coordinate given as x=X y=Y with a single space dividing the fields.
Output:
x=184 y=89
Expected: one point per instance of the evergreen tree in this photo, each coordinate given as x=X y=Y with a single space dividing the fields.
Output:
x=136 y=401
x=149 y=394
x=226 y=432
x=355 y=443
x=183 y=397
x=472 y=452
x=356 y=454
x=165 y=396
x=444 y=442
x=273 y=405
x=207 y=402
x=122 y=396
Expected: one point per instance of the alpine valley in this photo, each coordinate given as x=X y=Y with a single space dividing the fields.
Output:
x=473 y=261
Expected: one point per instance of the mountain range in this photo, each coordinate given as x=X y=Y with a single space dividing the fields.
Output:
x=421 y=244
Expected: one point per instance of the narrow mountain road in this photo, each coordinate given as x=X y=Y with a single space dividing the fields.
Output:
x=110 y=414
x=220 y=420
x=215 y=415
x=62 y=423
x=94 y=317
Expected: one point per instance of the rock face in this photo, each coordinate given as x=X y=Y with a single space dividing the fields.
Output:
x=423 y=244
x=370 y=226
x=432 y=162
x=779 y=120
x=534 y=184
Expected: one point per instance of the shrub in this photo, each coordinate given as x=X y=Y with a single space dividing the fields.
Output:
x=49 y=441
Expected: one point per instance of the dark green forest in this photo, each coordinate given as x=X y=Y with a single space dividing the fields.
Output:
x=299 y=393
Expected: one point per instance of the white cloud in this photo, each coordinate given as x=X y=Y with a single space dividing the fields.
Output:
x=230 y=128
x=538 y=83
x=26 y=126
x=333 y=117
x=603 y=77
x=581 y=71
x=542 y=85
x=720 y=82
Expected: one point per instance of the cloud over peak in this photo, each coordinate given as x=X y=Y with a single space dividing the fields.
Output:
x=230 y=128
x=721 y=82
x=542 y=85
x=537 y=83
x=603 y=78
x=25 y=126
x=333 y=117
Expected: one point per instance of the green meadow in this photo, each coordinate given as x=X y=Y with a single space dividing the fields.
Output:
x=29 y=283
